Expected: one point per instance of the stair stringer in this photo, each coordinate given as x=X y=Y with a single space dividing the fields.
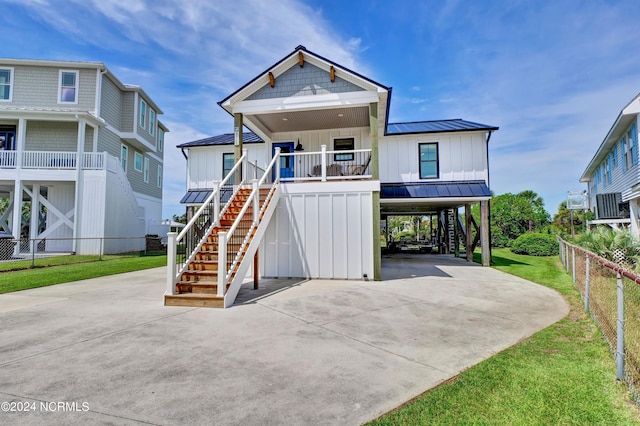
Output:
x=247 y=261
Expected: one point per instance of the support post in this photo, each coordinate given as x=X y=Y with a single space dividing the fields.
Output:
x=16 y=219
x=237 y=144
x=469 y=235
x=35 y=214
x=456 y=236
x=323 y=163
x=620 y=329
x=256 y=271
x=573 y=264
x=375 y=175
x=222 y=263
x=171 y=262
x=484 y=233
x=587 y=283
x=276 y=165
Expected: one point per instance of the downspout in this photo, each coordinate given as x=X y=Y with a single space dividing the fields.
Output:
x=489 y=202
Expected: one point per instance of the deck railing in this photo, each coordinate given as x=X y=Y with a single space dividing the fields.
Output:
x=52 y=160
x=325 y=165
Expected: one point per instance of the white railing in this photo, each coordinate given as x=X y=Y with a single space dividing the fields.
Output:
x=52 y=160
x=232 y=244
x=326 y=165
x=182 y=247
x=7 y=159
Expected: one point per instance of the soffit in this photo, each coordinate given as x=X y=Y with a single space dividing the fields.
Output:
x=295 y=121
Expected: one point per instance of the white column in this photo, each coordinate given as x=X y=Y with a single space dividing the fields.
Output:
x=20 y=142
x=35 y=215
x=77 y=214
x=634 y=211
x=16 y=219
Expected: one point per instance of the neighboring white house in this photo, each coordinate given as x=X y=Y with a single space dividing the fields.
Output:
x=83 y=150
x=613 y=175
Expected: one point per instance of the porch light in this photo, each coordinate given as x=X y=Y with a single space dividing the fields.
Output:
x=299 y=147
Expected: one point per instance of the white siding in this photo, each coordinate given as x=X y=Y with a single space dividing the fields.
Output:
x=461 y=157
x=326 y=233
x=205 y=163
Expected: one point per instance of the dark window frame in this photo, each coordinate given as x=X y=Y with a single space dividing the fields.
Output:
x=436 y=161
x=344 y=144
x=224 y=170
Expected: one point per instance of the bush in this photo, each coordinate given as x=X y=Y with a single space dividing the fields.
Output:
x=535 y=245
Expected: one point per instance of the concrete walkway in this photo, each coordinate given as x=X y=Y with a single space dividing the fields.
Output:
x=295 y=353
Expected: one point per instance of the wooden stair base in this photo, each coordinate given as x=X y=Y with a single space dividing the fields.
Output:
x=196 y=300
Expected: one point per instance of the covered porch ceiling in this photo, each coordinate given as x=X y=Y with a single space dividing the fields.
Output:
x=296 y=121
x=423 y=206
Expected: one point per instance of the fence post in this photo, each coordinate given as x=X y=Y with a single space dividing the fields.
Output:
x=101 y=249
x=222 y=262
x=323 y=162
x=573 y=264
x=33 y=253
x=566 y=260
x=587 y=283
x=620 y=329
x=256 y=202
x=171 y=262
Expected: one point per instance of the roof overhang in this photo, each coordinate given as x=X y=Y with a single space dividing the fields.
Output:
x=43 y=114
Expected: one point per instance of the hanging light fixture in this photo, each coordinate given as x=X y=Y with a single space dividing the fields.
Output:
x=299 y=147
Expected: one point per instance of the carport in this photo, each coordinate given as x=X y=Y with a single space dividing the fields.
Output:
x=443 y=201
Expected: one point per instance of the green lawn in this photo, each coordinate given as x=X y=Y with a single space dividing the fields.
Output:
x=563 y=375
x=64 y=269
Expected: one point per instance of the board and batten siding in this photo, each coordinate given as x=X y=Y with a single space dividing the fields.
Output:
x=461 y=157
x=313 y=140
x=38 y=87
x=326 y=232
x=111 y=103
x=205 y=163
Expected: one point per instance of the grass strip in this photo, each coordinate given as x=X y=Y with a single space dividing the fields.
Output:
x=563 y=375
x=62 y=273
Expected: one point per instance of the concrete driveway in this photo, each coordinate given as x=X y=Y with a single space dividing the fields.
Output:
x=105 y=351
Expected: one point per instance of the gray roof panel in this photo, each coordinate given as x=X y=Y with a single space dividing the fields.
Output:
x=436 y=126
x=225 y=139
x=434 y=189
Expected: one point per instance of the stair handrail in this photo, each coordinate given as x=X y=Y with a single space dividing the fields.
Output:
x=224 y=273
x=173 y=239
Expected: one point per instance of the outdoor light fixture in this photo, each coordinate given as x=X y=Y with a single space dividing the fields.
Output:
x=299 y=147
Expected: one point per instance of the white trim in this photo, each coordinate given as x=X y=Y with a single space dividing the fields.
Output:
x=76 y=87
x=142 y=115
x=126 y=158
x=330 y=187
x=159 y=176
x=12 y=78
x=155 y=157
x=152 y=122
x=438 y=200
x=160 y=145
x=137 y=155
x=308 y=102
x=145 y=169
x=35 y=114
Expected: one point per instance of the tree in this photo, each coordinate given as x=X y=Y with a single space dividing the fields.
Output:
x=514 y=214
x=562 y=219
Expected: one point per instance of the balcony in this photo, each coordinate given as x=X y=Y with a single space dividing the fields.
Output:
x=52 y=160
x=325 y=165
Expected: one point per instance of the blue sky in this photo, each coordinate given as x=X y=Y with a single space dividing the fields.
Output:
x=553 y=75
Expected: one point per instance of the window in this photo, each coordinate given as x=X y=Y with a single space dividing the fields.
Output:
x=159 y=176
x=143 y=112
x=68 y=87
x=6 y=86
x=160 y=144
x=146 y=169
x=124 y=152
x=614 y=154
x=623 y=153
x=632 y=141
x=137 y=161
x=428 y=153
x=607 y=170
x=344 y=144
x=152 y=120
x=227 y=164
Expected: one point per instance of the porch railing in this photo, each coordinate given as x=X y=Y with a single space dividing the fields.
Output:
x=182 y=248
x=325 y=165
x=52 y=160
x=232 y=244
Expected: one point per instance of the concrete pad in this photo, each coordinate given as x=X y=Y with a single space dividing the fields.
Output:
x=293 y=352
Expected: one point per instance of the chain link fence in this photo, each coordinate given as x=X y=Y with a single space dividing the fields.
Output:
x=26 y=253
x=611 y=295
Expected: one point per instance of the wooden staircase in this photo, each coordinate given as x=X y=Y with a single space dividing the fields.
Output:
x=198 y=284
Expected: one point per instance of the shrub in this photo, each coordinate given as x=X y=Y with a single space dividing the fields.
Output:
x=535 y=245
